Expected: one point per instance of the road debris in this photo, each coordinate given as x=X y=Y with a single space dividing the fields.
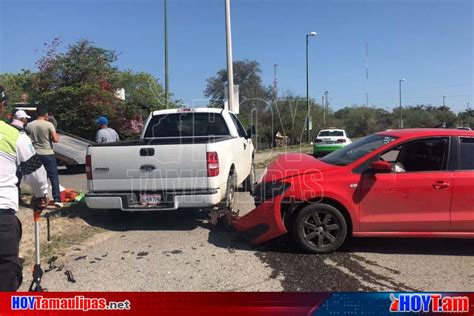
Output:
x=142 y=253
x=80 y=258
x=70 y=276
x=173 y=252
x=52 y=263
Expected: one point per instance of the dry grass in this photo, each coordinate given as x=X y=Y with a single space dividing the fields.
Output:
x=67 y=231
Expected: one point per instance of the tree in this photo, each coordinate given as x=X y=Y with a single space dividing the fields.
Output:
x=466 y=118
x=254 y=96
x=16 y=84
x=80 y=85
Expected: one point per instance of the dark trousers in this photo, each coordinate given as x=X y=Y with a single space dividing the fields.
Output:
x=10 y=267
x=49 y=163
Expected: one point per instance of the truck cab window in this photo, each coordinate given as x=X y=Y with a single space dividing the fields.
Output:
x=240 y=129
x=187 y=125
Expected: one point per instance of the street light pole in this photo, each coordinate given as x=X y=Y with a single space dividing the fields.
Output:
x=444 y=110
x=400 y=94
x=230 y=69
x=324 y=111
x=308 y=132
x=167 y=88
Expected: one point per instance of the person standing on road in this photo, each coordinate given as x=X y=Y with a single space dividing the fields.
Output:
x=43 y=135
x=105 y=134
x=16 y=153
x=20 y=119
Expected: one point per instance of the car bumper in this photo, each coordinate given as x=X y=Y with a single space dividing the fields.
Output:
x=263 y=223
x=122 y=201
x=324 y=149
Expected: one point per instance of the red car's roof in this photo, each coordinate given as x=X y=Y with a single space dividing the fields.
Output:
x=420 y=132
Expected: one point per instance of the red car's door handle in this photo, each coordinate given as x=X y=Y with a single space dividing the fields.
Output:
x=440 y=185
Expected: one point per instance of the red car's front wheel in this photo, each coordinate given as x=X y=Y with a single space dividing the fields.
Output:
x=319 y=228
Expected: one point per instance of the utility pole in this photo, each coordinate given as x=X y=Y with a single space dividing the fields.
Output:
x=400 y=95
x=444 y=110
x=230 y=68
x=326 y=105
x=324 y=111
x=275 y=83
x=308 y=132
x=167 y=87
x=367 y=74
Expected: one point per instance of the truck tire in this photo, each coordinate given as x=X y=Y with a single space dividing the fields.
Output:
x=229 y=199
x=249 y=182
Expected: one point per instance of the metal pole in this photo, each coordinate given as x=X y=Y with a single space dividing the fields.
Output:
x=367 y=74
x=167 y=87
x=230 y=70
x=401 y=110
x=324 y=111
x=444 y=111
x=308 y=134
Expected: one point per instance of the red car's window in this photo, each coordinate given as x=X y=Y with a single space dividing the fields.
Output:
x=357 y=149
x=467 y=154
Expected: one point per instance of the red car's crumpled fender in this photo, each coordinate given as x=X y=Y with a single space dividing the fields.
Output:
x=262 y=223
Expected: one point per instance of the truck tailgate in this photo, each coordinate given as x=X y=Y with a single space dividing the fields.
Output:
x=149 y=167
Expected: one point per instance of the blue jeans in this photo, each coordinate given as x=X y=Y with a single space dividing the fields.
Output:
x=49 y=163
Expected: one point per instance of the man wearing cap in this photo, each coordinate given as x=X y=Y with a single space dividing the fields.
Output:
x=20 y=119
x=105 y=134
x=16 y=153
x=43 y=135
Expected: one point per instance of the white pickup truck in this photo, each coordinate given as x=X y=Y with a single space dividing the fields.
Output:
x=184 y=158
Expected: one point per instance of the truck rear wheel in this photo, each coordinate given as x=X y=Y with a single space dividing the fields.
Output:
x=249 y=183
x=229 y=199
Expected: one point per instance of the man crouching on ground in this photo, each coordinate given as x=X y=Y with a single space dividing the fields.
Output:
x=16 y=153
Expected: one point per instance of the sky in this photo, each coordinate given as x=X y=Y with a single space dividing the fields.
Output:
x=427 y=42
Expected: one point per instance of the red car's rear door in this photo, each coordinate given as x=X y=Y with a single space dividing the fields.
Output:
x=462 y=207
x=416 y=200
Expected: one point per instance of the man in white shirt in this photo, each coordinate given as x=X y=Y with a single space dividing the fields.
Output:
x=16 y=154
x=105 y=134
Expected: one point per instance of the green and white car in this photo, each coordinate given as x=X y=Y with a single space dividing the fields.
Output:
x=329 y=140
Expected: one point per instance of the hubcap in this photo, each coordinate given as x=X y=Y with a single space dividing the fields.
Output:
x=321 y=229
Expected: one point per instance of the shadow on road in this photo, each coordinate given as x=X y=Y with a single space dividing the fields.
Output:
x=423 y=246
x=115 y=220
x=224 y=237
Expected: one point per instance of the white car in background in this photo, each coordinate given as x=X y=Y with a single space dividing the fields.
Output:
x=329 y=140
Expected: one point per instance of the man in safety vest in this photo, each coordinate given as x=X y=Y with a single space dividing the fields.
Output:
x=16 y=154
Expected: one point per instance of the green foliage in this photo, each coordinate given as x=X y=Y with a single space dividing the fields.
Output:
x=80 y=84
x=254 y=96
x=16 y=84
x=466 y=118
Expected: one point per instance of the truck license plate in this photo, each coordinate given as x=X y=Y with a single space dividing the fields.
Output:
x=150 y=199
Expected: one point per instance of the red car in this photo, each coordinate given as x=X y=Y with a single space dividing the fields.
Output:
x=399 y=183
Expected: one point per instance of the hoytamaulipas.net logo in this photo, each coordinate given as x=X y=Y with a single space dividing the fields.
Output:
x=429 y=302
x=75 y=303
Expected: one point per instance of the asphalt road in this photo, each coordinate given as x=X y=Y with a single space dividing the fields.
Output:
x=179 y=251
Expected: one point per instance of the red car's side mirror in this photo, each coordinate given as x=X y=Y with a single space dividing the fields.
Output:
x=381 y=166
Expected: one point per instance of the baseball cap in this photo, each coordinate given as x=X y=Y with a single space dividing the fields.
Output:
x=21 y=114
x=102 y=121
